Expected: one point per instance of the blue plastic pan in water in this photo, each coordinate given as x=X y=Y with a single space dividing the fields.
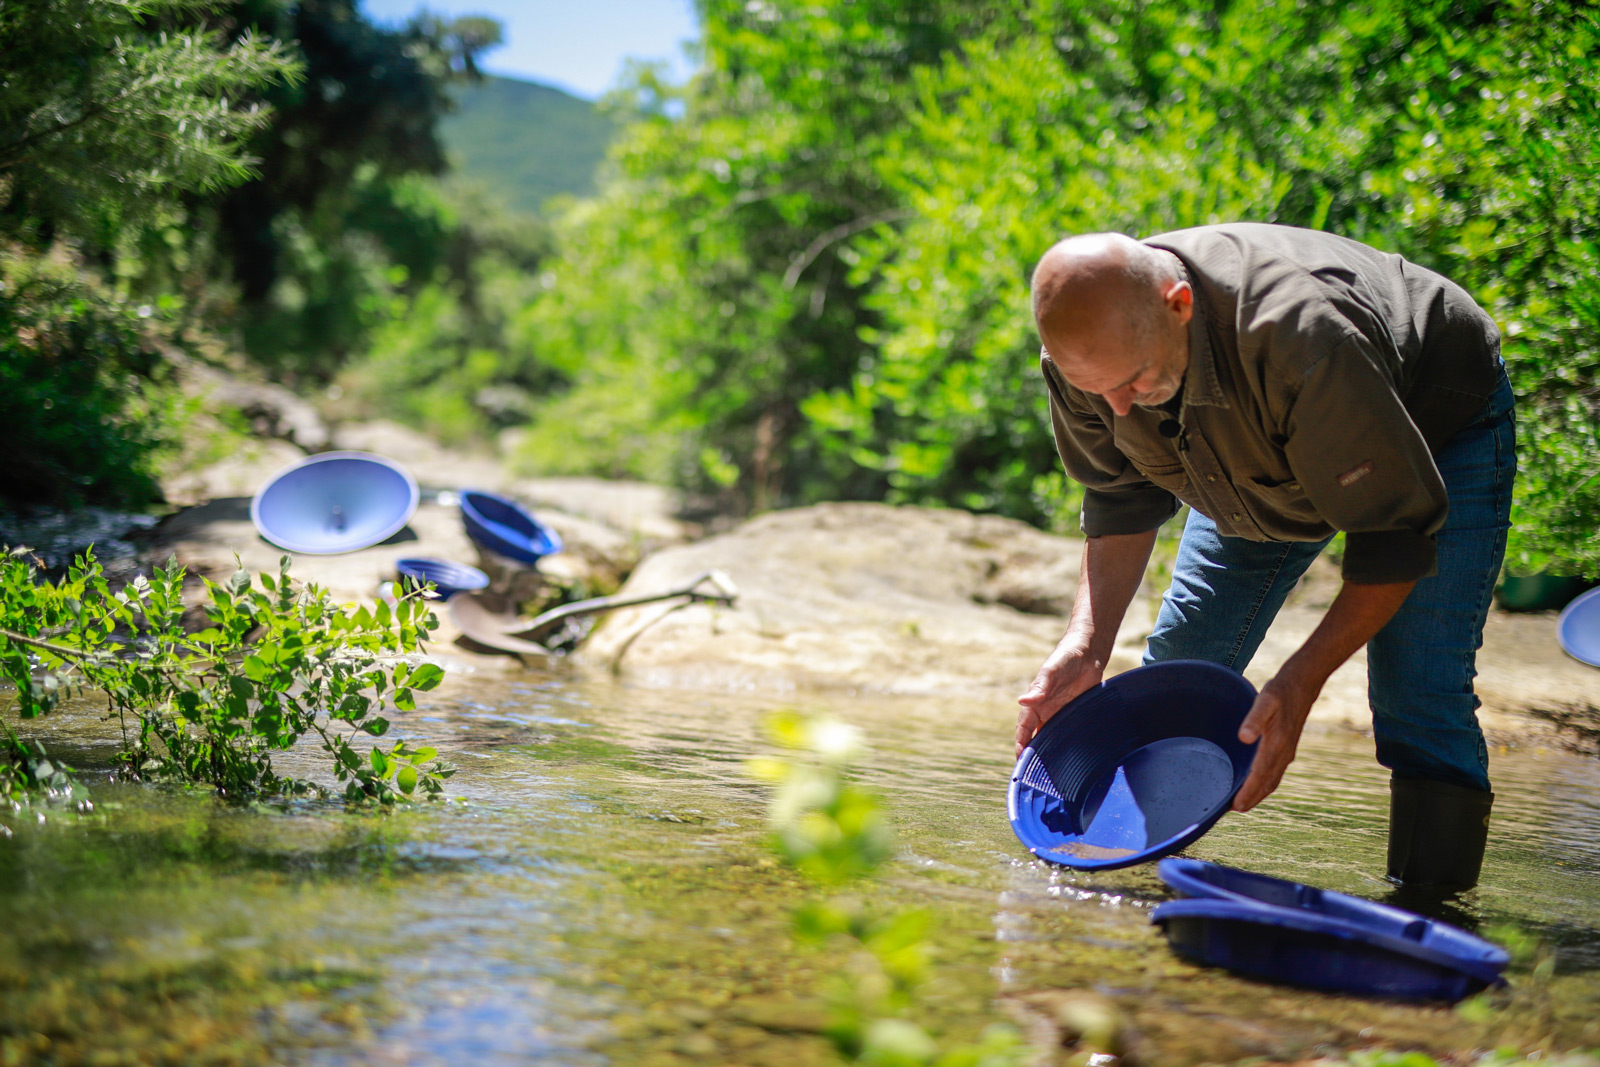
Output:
x=1135 y=768
x=335 y=502
x=1317 y=939
x=1579 y=628
x=448 y=576
x=505 y=527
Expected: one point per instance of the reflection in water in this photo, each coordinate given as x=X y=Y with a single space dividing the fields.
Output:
x=601 y=894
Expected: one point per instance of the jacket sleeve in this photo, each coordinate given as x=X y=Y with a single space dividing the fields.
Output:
x=1365 y=466
x=1117 y=499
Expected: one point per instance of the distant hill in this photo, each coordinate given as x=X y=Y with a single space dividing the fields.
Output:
x=526 y=142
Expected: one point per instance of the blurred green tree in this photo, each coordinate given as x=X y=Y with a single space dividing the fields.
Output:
x=110 y=109
x=328 y=228
x=809 y=266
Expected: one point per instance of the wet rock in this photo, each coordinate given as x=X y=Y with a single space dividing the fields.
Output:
x=431 y=464
x=648 y=514
x=855 y=596
x=57 y=537
x=1088 y=1023
x=239 y=474
x=272 y=410
x=594 y=560
x=596 y=556
x=205 y=539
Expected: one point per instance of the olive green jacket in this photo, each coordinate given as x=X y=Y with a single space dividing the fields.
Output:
x=1323 y=376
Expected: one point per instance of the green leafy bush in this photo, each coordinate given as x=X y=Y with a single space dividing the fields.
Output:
x=450 y=349
x=273 y=665
x=87 y=405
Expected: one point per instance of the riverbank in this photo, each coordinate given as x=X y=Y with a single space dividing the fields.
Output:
x=851 y=597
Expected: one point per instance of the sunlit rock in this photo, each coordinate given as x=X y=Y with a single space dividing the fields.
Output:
x=854 y=596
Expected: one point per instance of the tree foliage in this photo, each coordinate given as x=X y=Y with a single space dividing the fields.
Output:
x=814 y=257
x=332 y=223
x=176 y=170
x=110 y=109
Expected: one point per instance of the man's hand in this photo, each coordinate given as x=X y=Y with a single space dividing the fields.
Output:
x=1280 y=710
x=1275 y=719
x=1070 y=670
x=1113 y=566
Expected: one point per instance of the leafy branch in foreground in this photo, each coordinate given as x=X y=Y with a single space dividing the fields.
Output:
x=836 y=833
x=273 y=665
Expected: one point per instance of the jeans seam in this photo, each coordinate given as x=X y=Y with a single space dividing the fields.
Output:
x=1502 y=488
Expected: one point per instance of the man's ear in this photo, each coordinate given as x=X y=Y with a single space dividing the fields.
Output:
x=1179 y=298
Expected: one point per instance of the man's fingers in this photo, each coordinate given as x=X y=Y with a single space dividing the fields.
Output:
x=1028 y=724
x=1255 y=787
x=1262 y=712
x=1271 y=762
x=1260 y=785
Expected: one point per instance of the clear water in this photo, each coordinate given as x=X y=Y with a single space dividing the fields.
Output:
x=600 y=893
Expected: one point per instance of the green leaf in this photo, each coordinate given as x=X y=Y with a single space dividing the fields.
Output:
x=426 y=676
x=377 y=726
x=406 y=779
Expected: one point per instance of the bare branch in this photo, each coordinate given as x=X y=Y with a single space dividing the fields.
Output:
x=838 y=233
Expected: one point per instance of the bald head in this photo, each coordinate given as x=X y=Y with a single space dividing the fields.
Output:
x=1112 y=314
x=1085 y=278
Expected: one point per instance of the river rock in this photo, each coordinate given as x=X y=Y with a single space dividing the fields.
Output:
x=205 y=540
x=646 y=513
x=855 y=596
x=272 y=410
x=594 y=555
x=431 y=464
x=240 y=473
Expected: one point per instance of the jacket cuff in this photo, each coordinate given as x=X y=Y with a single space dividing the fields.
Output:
x=1126 y=511
x=1387 y=556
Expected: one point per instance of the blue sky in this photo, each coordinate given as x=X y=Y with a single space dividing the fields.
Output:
x=579 y=46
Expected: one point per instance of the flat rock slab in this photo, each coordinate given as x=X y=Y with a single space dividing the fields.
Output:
x=239 y=474
x=864 y=597
x=433 y=466
x=646 y=513
x=205 y=539
x=873 y=598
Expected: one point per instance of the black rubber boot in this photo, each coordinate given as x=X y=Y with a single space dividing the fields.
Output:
x=1437 y=832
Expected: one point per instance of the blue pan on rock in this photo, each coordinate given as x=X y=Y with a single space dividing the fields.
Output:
x=1135 y=768
x=1579 y=628
x=334 y=502
x=505 y=527
x=448 y=576
x=1299 y=935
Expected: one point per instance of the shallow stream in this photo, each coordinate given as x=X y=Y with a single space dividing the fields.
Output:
x=598 y=892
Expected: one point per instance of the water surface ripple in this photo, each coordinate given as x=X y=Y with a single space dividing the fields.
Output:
x=598 y=891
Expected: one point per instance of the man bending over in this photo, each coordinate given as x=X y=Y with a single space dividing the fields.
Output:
x=1287 y=384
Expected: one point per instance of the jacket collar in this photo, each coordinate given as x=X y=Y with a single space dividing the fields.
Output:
x=1200 y=382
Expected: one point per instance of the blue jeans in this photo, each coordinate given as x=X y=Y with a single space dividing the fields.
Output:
x=1226 y=590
